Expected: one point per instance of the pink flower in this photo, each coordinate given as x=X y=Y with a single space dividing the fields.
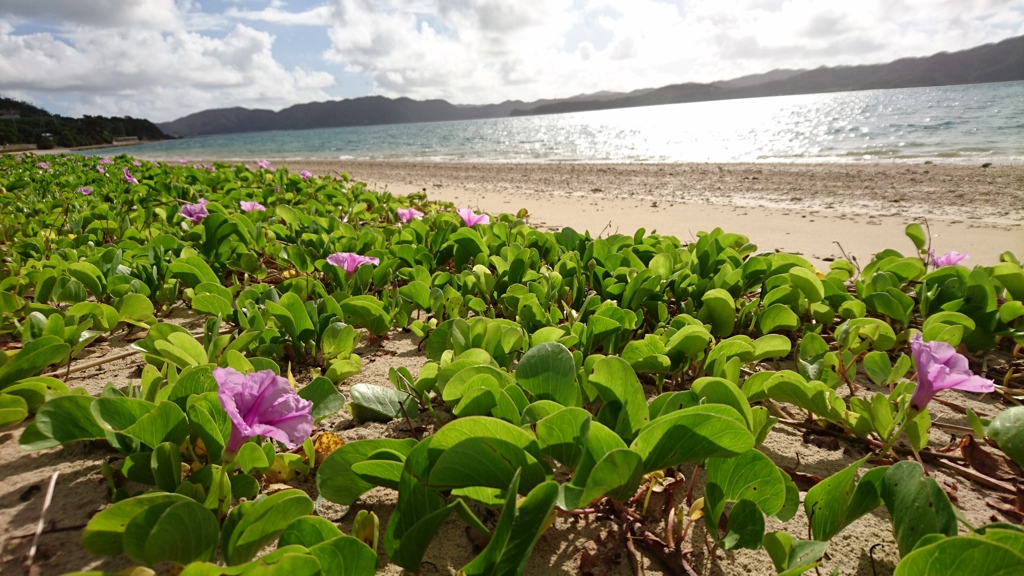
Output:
x=44 y=165
x=136 y=163
x=472 y=219
x=129 y=178
x=182 y=161
x=85 y=190
x=263 y=164
x=262 y=404
x=407 y=214
x=949 y=259
x=250 y=206
x=100 y=169
x=305 y=175
x=939 y=367
x=349 y=261
x=195 y=212
x=106 y=161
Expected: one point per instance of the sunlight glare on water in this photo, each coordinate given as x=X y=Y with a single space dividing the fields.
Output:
x=959 y=123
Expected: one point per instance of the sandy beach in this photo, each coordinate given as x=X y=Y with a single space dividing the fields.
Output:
x=808 y=209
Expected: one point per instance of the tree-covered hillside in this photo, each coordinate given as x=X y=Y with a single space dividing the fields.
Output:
x=23 y=123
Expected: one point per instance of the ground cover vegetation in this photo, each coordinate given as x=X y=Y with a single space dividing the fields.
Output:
x=577 y=374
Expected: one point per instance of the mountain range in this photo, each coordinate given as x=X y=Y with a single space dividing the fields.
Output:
x=999 y=62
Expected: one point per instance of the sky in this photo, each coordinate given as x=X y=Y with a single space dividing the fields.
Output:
x=163 y=59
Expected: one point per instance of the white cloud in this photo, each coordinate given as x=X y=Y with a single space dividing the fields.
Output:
x=475 y=51
x=156 y=75
x=162 y=14
x=319 y=16
x=164 y=58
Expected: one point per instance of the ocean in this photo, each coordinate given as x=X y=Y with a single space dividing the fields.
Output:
x=971 y=123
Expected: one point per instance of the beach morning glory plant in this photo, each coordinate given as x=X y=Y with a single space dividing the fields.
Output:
x=85 y=190
x=940 y=367
x=250 y=206
x=195 y=212
x=349 y=261
x=305 y=175
x=472 y=219
x=262 y=404
x=948 y=259
x=129 y=178
x=406 y=215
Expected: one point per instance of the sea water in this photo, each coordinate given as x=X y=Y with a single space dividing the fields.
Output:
x=970 y=123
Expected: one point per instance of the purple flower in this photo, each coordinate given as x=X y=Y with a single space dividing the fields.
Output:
x=106 y=161
x=305 y=175
x=100 y=169
x=939 y=367
x=156 y=164
x=407 y=214
x=129 y=178
x=44 y=165
x=182 y=161
x=195 y=212
x=250 y=206
x=263 y=164
x=136 y=163
x=472 y=219
x=349 y=261
x=85 y=190
x=949 y=259
x=262 y=404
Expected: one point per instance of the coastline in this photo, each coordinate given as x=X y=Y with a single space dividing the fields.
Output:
x=808 y=209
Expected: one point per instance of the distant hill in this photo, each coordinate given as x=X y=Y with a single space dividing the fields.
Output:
x=365 y=111
x=23 y=123
x=999 y=62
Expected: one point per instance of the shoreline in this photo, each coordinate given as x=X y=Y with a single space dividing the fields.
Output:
x=800 y=208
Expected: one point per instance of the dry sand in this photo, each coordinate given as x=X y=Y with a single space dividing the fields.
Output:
x=798 y=208
x=801 y=208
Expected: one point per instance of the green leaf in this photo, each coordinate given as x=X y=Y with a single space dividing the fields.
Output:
x=325 y=398
x=563 y=435
x=616 y=475
x=963 y=555
x=878 y=367
x=519 y=527
x=917 y=504
x=345 y=556
x=777 y=317
x=335 y=479
x=691 y=435
x=624 y=403
x=105 y=531
x=372 y=403
x=68 y=418
x=33 y=358
x=915 y=232
x=547 y=371
x=254 y=527
x=1007 y=431
x=13 y=409
x=182 y=532
x=166 y=466
x=750 y=477
x=719 y=310
x=212 y=304
x=835 y=502
x=484 y=451
x=808 y=283
x=792 y=556
x=165 y=423
x=771 y=346
x=308 y=531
